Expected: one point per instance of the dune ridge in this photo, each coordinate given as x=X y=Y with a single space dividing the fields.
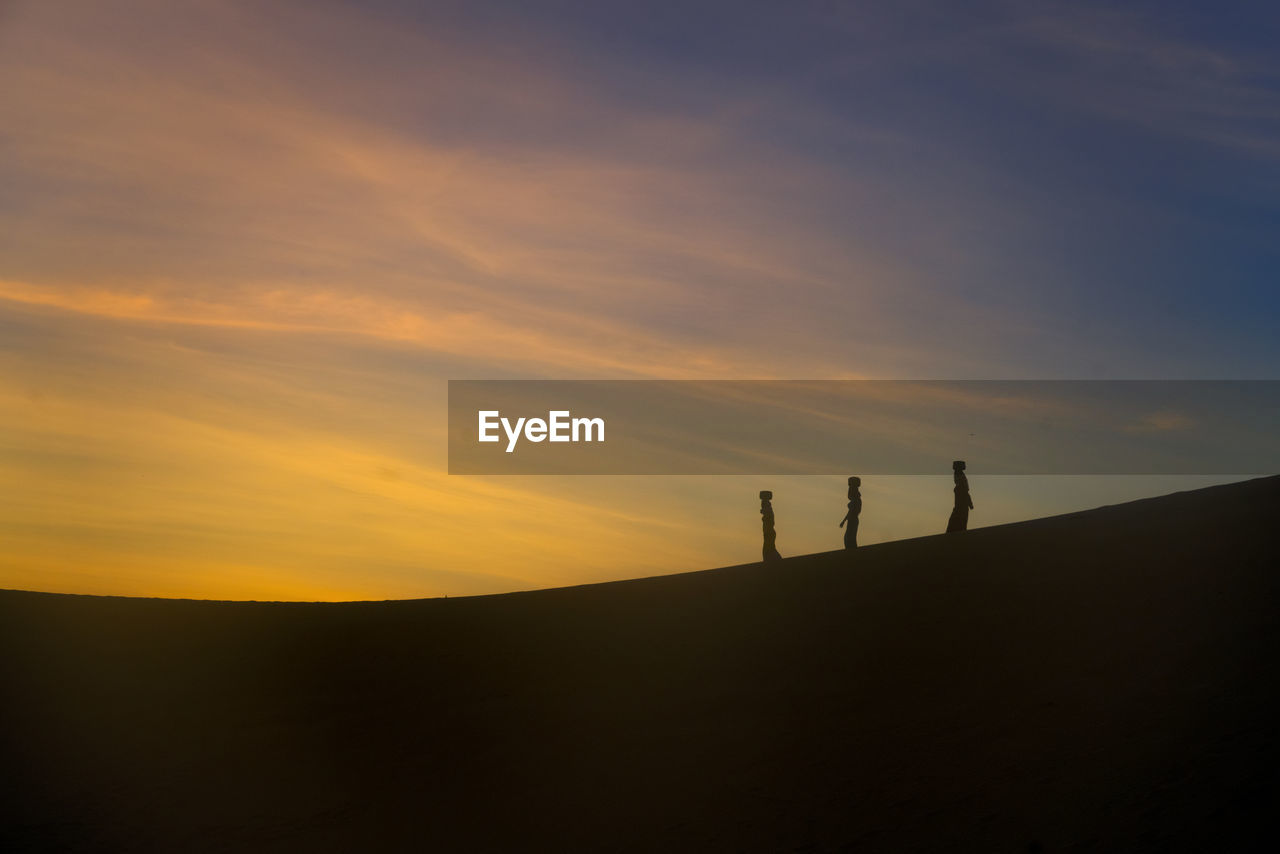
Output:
x=1102 y=681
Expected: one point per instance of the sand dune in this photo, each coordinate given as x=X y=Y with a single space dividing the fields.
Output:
x=1099 y=681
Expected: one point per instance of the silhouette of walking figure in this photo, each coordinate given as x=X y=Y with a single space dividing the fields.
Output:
x=855 y=508
x=770 y=535
x=959 y=520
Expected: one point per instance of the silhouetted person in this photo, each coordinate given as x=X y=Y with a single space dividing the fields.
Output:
x=855 y=508
x=766 y=518
x=959 y=520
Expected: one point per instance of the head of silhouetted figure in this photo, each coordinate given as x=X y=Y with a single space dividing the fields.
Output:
x=958 y=465
x=855 y=482
x=766 y=495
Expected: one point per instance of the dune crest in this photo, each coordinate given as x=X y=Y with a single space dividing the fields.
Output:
x=1100 y=680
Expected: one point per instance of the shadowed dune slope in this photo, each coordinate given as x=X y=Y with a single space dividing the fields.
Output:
x=1105 y=680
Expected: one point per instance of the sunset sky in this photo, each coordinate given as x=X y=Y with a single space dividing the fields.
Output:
x=243 y=246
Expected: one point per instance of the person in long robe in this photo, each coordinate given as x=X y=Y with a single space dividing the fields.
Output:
x=770 y=550
x=959 y=520
x=850 y=520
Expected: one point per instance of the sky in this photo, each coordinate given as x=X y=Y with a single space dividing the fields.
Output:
x=243 y=247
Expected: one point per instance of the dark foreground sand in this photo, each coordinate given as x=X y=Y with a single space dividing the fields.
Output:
x=1102 y=681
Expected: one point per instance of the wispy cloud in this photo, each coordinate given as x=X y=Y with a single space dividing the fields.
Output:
x=1161 y=422
x=1135 y=69
x=242 y=183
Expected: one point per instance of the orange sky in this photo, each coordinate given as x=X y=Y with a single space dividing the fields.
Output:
x=244 y=251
